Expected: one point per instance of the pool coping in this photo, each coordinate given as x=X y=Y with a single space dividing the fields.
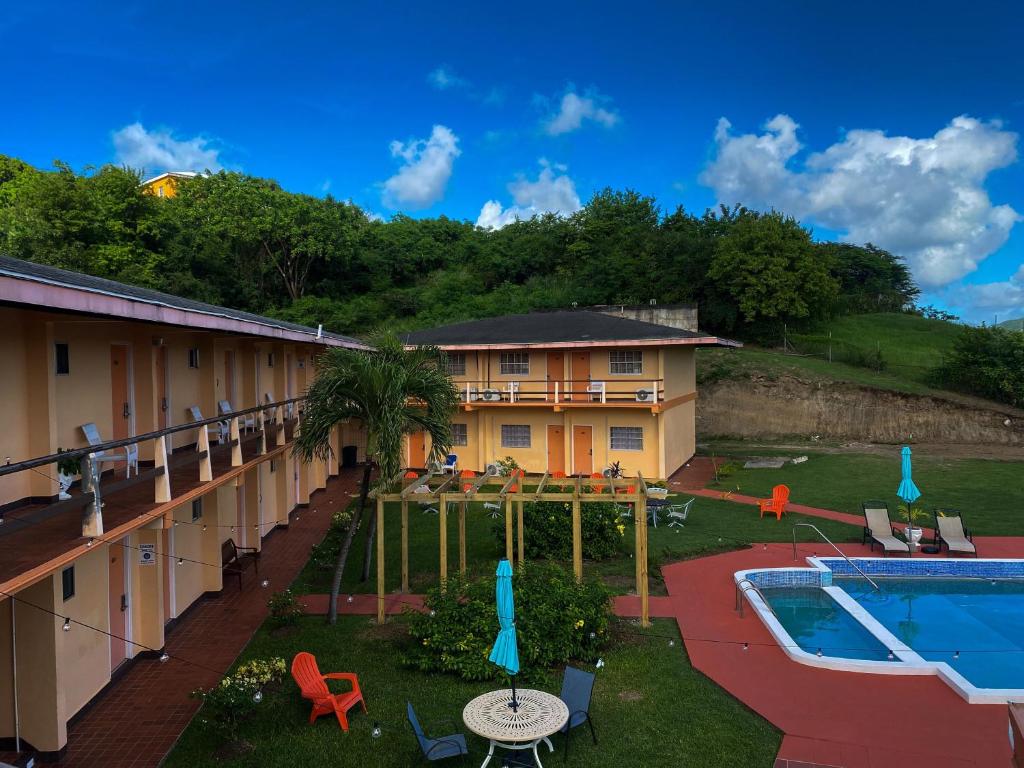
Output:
x=906 y=661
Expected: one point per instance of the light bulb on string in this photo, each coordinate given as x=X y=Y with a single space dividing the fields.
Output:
x=181 y=561
x=891 y=656
x=265 y=583
x=204 y=526
x=257 y=697
x=376 y=732
x=164 y=657
x=671 y=643
x=956 y=656
x=746 y=646
x=348 y=599
x=599 y=664
x=67 y=625
x=820 y=654
x=433 y=613
x=593 y=635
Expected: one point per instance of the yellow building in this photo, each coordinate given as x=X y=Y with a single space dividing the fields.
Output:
x=166 y=184
x=570 y=391
x=79 y=350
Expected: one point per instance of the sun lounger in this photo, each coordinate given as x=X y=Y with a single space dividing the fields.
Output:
x=130 y=457
x=218 y=431
x=879 y=529
x=246 y=421
x=949 y=530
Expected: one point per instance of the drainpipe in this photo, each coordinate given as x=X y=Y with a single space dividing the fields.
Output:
x=14 y=677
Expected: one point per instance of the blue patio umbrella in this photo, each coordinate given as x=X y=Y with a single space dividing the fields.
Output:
x=907 y=490
x=505 y=652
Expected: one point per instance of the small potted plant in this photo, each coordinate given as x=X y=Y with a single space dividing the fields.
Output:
x=911 y=514
x=67 y=469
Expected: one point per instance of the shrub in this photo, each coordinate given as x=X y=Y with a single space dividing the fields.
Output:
x=547 y=530
x=507 y=466
x=557 y=620
x=236 y=696
x=285 y=609
x=987 y=362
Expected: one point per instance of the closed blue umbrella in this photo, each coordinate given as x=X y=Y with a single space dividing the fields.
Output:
x=505 y=652
x=907 y=490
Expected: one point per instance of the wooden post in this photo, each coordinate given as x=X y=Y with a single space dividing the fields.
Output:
x=508 y=529
x=380 y=560
x=641 y=559
x=261 y=427
x=577 y=540
x=205 y=465
x=163 y=482
x=405 y=547
x=236 y=443
x=462 y=538
x=522 y=548
x=442 y=515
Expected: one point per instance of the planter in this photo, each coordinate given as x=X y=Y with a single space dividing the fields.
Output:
x=64 y=480
x=914 y=537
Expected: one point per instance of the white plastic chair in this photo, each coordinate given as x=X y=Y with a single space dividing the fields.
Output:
x=677 y=513
x=218 y=431
x=131 y=452
x=596 y=388
x=493 y=509
x=248 y=421
x=451 y=463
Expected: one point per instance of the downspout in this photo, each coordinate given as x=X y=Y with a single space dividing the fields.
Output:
x=14 y=677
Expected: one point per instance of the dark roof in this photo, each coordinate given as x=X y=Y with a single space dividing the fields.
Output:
x=43 y=273
x=557 y=327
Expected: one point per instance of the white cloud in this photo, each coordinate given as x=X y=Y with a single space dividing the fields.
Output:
x=982 y=301
x=923 y=199
x=444 y=78
x=158 y=150
x=550 y=193
x=422 y=180
x=574 y=109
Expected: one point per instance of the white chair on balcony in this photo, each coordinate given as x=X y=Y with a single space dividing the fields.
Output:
x=596 y=391
x=513 y=391
x=130 y=457
x=218 y=431
x=246 y=421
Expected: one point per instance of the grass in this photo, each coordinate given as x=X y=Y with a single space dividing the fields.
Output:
x=988 y=493
x=648 y=701
x=713 y=526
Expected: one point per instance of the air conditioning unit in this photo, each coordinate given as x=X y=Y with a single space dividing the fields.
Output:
x=644 y=396
x=490 y=395
x=491 y=470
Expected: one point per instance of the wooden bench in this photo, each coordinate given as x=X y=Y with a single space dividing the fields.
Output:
x=235 y=560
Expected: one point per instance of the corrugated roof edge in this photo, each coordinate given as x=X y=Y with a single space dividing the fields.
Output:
x=45 y=274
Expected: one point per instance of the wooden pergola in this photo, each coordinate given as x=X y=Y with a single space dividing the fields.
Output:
x=512 y=492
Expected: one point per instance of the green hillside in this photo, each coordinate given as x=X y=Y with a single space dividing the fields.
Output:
x=1013 y=325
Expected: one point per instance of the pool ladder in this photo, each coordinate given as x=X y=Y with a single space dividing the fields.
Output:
x=745 y=585
x=837 y=549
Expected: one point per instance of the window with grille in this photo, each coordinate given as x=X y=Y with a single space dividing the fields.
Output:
x=193 y=357
x=270 y=360
x=515 y=435
x=628 y=362
x=62 y=359
x=197 y=509
x=460 y=434
x=627 y=438
x=67 y=579
x=515 y=363
x=455 y=364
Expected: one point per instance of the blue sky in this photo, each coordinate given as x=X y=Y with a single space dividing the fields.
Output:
x=883 y=122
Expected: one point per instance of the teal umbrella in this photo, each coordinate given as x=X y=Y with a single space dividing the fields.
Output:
x=907 y=490
x=505 y=652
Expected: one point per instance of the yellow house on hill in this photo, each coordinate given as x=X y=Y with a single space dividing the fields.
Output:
x=166 y=184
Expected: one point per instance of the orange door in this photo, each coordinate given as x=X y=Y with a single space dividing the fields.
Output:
x=556 y=448
x=580 y=374
x=418 y=449
x=118 y=605
x=161 y=387
x=229 y=378
x=168 y=566
x=582 y=450
x=556 y=373
x=119 y=401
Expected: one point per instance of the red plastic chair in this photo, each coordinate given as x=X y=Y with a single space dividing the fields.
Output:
x=314 y=687
x=558 y=474
x=468 y=473
x=777 y=503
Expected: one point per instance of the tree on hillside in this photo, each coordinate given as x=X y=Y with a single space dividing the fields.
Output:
x=987 y=362
x=393 y=392
x=870 y=278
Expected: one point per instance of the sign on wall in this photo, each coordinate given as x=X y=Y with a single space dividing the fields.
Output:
x=147 y=554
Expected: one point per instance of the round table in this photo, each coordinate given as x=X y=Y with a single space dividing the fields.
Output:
x=538 y=715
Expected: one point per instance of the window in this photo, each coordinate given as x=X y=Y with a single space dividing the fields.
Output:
x=455 y=363
x=197 y=509
x=515 y=363
x=515 y=435
x=460 y=435
x=270 y=360
x=193 y=357
x=626 y=362
x=62 y=359
x=67 y=579
x=627 y=438
x=273 y=465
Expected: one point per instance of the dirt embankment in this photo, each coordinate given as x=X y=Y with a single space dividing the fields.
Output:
x=769 y=408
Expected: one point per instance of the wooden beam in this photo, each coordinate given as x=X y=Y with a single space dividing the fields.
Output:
x=405 y=547
x=508 y=484
x=462 y=538
x=522 y=555
x=442 y=515
x=540 y=487
x=508 y=529
x=641 y=560
x=577 y=540
x=410 y=489
x=478 y=483
x=380 y=561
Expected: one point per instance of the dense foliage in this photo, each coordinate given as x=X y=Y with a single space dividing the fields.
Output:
x=547 y=530
x=988 y=362
x=236 y=697
x=557 y=621
x=244 y=242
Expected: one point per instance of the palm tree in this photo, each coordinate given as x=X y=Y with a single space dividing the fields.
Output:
x=392 y=391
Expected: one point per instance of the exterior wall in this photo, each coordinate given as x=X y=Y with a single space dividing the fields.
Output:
x=42 y=711
x=682 y=316
x=84 y=655
x=680 y=436
x=15 y=442
x=188 y=544
x=679 y=371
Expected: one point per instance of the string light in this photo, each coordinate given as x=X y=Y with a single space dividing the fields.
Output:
x=891 y=655
x=746 y=646
x=257 y=697
x=376 y=732
x=820 y=654
x=599 y=664
x=67 y=625
x=671 y=643
x=181 y=561
x=164 y=657
x=433 y=613
x=265 y=583
x=956 y=656
x=349 y=599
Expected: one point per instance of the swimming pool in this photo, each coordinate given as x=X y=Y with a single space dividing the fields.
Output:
x=962 y=620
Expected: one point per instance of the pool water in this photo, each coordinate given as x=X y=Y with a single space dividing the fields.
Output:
x=816 y=621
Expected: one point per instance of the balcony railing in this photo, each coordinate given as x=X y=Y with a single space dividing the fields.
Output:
x=562 y=392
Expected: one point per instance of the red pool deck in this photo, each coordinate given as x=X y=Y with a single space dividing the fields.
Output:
x=832 y=718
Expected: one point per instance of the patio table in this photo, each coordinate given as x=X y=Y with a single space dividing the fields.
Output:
x=654 y=506
x=538 y=716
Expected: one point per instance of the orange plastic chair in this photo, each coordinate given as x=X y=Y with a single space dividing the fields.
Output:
x=558 y=474
x=777 y=503
x=468 y=473
x=314 y=687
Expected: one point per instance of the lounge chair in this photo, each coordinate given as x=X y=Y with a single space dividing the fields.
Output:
x=577 y=688
x=436 y=749
x=878 y=528
x=270 y=414
x=218 y=431
x=130 y=457
x=677 y=513
x=950 y=530
x=777 y=503
x=246 y=421
x=314 y=687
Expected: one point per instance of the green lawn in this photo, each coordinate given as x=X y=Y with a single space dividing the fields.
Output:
x=713 y=526
x=988 y=493
x=648 y=701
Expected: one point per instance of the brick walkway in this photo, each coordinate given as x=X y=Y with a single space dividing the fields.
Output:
x=137 y=720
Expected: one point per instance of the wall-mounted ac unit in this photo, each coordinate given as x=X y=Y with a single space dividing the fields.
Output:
x=490 y=395
x=491 y=470
x=644 y=396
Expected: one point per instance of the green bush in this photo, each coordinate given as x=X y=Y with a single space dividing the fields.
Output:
x=285 y=609
x=987 y=362
x=236 y=697
x=548 y=530
x=557 y=621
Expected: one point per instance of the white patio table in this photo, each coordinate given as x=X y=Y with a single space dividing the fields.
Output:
x=538 y=716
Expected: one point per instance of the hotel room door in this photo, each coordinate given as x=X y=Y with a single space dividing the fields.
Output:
x=418 y=449
x=162 y=401
x=582 y=450
x=556 y=448
x=120 y=392
x=118 y=605
x=580 y=375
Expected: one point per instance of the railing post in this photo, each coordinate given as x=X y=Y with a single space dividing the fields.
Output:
x=92 y=513
x=556 y=391
x=236 y=443
x=205 y=464
x=261 y=427
x=163 y=481
x=654 y=389
x=604 y=392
